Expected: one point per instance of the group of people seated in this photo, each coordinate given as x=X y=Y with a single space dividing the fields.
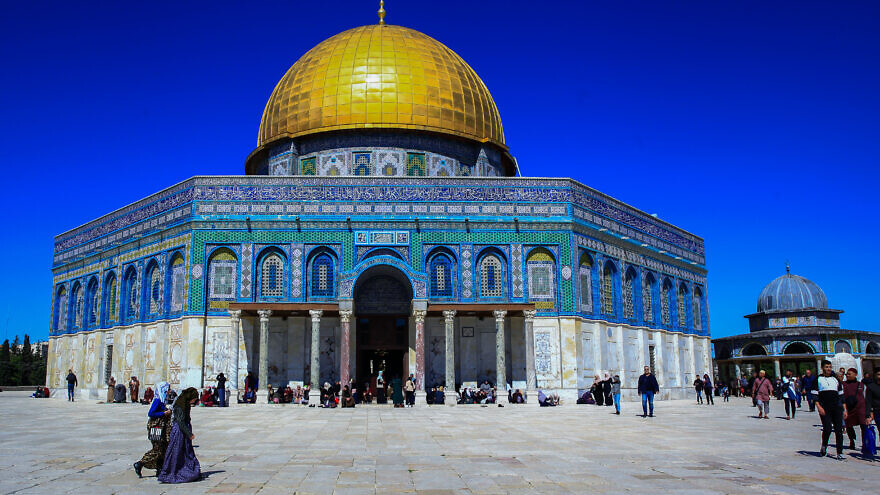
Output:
x=435 y=395
x=548 y=400
x=288 y=395
x=484 y=394
x=41 y=393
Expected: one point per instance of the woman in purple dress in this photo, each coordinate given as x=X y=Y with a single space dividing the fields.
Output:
x=181 y=465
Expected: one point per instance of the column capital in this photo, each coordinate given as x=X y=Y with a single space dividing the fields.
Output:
x=449 y=314
x=419 y=315
x=316 y=313
x=344 y=315
x=235 y=314
x=529 y=314
x=264 y=314
x=499 y=314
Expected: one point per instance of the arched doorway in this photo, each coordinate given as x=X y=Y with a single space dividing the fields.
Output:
x=382 y=302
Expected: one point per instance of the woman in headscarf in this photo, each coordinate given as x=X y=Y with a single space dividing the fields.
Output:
x=298 y=395
x=346 y=400
x=148 y=396
x=381 y=398
x=181 y=465
x=397 y=392
x=134 y=387
x=159 y=415
x=596 y=390
x=111 y=389
x=327 y=397
x=606 y=388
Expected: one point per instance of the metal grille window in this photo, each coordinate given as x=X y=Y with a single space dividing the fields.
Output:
x=664 y=304
x=155 y=286
x=131 y=294
x=93 y=303
x=61 y=310
x=77 y=306
x=698 y=313
x=586 y=276
x=629 y=302
x=682 y=309
x=109 y=298
x=441 y=276
x=652 y=358
x=490 y=277
x=540 y=272
x=608 y=290
x=177 y=284
x=648 y=299
x=322 y=276
x=223 y=279
x=272 y=276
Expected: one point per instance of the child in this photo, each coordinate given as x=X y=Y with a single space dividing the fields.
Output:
x=725 y=392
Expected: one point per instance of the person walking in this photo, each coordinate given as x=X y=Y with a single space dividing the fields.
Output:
x=221 y=390
x=71 y=384
x=827 y=390
x=790 y=394
x=410 y=389
x=854 y=399
x=807 y=386
x=134 y=387
x=180 y=464
x=762 y=389
x=698 y=386
x=615 y=392
x=159 y=416
x=708 y=389
x=606 y=389
x=648 y=386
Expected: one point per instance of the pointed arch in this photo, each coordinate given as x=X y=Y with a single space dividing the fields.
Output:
x=272 y=273
x=175 y=282
x=585 y=275
x=109 y=301
x=60 y=323
x=648 y=288
x=697 y=310
x=92 y=302
x=152 y=290
x=681 y=308
x=492 y=274
x=76 y=306
x=666 y=302
x=541 y=274
x=630 y=282
x=322 y=273
x=609 y=274
x=443 y=275
x=130 y=291
x=223 y=274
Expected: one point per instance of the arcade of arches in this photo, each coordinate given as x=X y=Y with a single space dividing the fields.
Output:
x=384 y=328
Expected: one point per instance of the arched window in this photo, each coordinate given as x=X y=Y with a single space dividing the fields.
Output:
x=61 y=310
x=442 y=278
x=108 y=299
x=322 y=276
x=842 y=346
x=224 y=266
x=175 y=282
x=608 y=289
x=682 y=307
x=92 y=303
x=629 y=294
x=272 y=276
x=491 y=283
x=754 y=349
x=542 y=279
x=131 y=293
x=872 y=348
x=76 y=298
x=153 y=288
x=586 y=278
x=648 y=297
x=698 y=308
x=665 y=301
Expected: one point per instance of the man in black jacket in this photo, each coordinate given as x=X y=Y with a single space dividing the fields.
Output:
x=648 y=386
x=71 y=384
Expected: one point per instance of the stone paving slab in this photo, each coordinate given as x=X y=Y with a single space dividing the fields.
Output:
x=53 y=446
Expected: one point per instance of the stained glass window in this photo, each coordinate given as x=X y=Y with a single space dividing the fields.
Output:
x=441 y=276
x=698 y=313
x=272 y=276
x=415 y=164
x=155 y=286
x=93 y=303
x=490 y=277
x=322 y=276
x=61 y=310
x=109 y=298
x=131 y=294
x=77 y=306
x=608 y=290
x=648 y=298
x=223 y=275
x=177 y=284
x=682 y=309
x=362 y=163
x=309 y=166
x=586 y=278
x=664 y=303
x=629 y=302
x=540 y=265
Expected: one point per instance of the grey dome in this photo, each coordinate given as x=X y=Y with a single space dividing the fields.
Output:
x=791 y=292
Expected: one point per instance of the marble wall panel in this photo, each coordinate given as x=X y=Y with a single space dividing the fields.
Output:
x=435 y=352
x=547 y=353
x=296 y=357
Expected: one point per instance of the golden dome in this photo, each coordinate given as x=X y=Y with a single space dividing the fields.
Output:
x=381 y=76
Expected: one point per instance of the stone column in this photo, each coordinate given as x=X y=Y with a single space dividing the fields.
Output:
x=529 y=330
x=419 y=316
x=345 y=347
x=315 y=378
x=263 y=391
x=235 y=318
x=777 y=369
x=449 y=387
x=500 y=355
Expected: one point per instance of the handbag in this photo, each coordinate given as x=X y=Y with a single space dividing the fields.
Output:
x=156 y=429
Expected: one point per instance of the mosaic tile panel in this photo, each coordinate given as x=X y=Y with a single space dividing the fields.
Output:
x=247 y=261
x=516 y=272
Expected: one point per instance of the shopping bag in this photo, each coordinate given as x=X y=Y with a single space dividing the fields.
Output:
x=869 y=442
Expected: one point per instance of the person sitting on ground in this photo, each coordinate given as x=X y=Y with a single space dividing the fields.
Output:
x=586 y=398
x=148 y=396
x=270 y=393
x=298 y=395
x=485 y=387
x=347 y=399
x=206 y=399
x=439 y=396
x=306 y=391
x=287 y=398
x=429 y=397
x=250 y=396
x=544 y=400
x=119 y=394
x=517 y=397
x=327 y=399
x=366 y=395
x=38 y=393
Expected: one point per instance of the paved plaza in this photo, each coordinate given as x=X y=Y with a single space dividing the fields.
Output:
x=52 y=446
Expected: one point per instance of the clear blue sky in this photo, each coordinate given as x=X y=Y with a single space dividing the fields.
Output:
x=752 y=124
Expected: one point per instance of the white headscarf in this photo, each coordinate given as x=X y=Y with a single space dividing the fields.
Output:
x=162 y=390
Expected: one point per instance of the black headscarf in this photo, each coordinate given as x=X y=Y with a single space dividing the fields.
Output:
x=183 y=400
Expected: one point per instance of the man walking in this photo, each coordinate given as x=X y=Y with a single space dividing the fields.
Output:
x=71 y=384
x=762 y=389
x=790 y=394
x=648 y=386
x=828 y=392
x=221 y=390
x=807 y=386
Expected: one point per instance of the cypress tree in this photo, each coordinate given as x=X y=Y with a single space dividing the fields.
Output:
x=5 y=365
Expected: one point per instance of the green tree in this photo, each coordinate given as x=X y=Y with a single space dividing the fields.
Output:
x=5 y=365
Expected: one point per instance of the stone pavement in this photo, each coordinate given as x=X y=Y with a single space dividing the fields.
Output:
x=52 y=446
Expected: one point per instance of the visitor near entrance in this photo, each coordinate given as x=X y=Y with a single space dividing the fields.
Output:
x=71 y=384
x=790 y=394
x=828 y=392
x=648 y=386
x=762 y=389
x=615 y=393
x=221 y=390
x=698 y=387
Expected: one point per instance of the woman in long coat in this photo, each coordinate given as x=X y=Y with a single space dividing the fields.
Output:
x=111 y=389
x=397 y=392
x=159 y=416
x=606 y=389
x=181 y=465
x=597 y=391
x=381 y=397
x=854 y=398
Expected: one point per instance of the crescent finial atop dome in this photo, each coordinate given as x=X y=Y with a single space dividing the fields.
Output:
x=381 y=12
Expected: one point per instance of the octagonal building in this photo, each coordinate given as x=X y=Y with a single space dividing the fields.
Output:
x=381 y=224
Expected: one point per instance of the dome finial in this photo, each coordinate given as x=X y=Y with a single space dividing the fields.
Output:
x=787 y=267
x=381 y=12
